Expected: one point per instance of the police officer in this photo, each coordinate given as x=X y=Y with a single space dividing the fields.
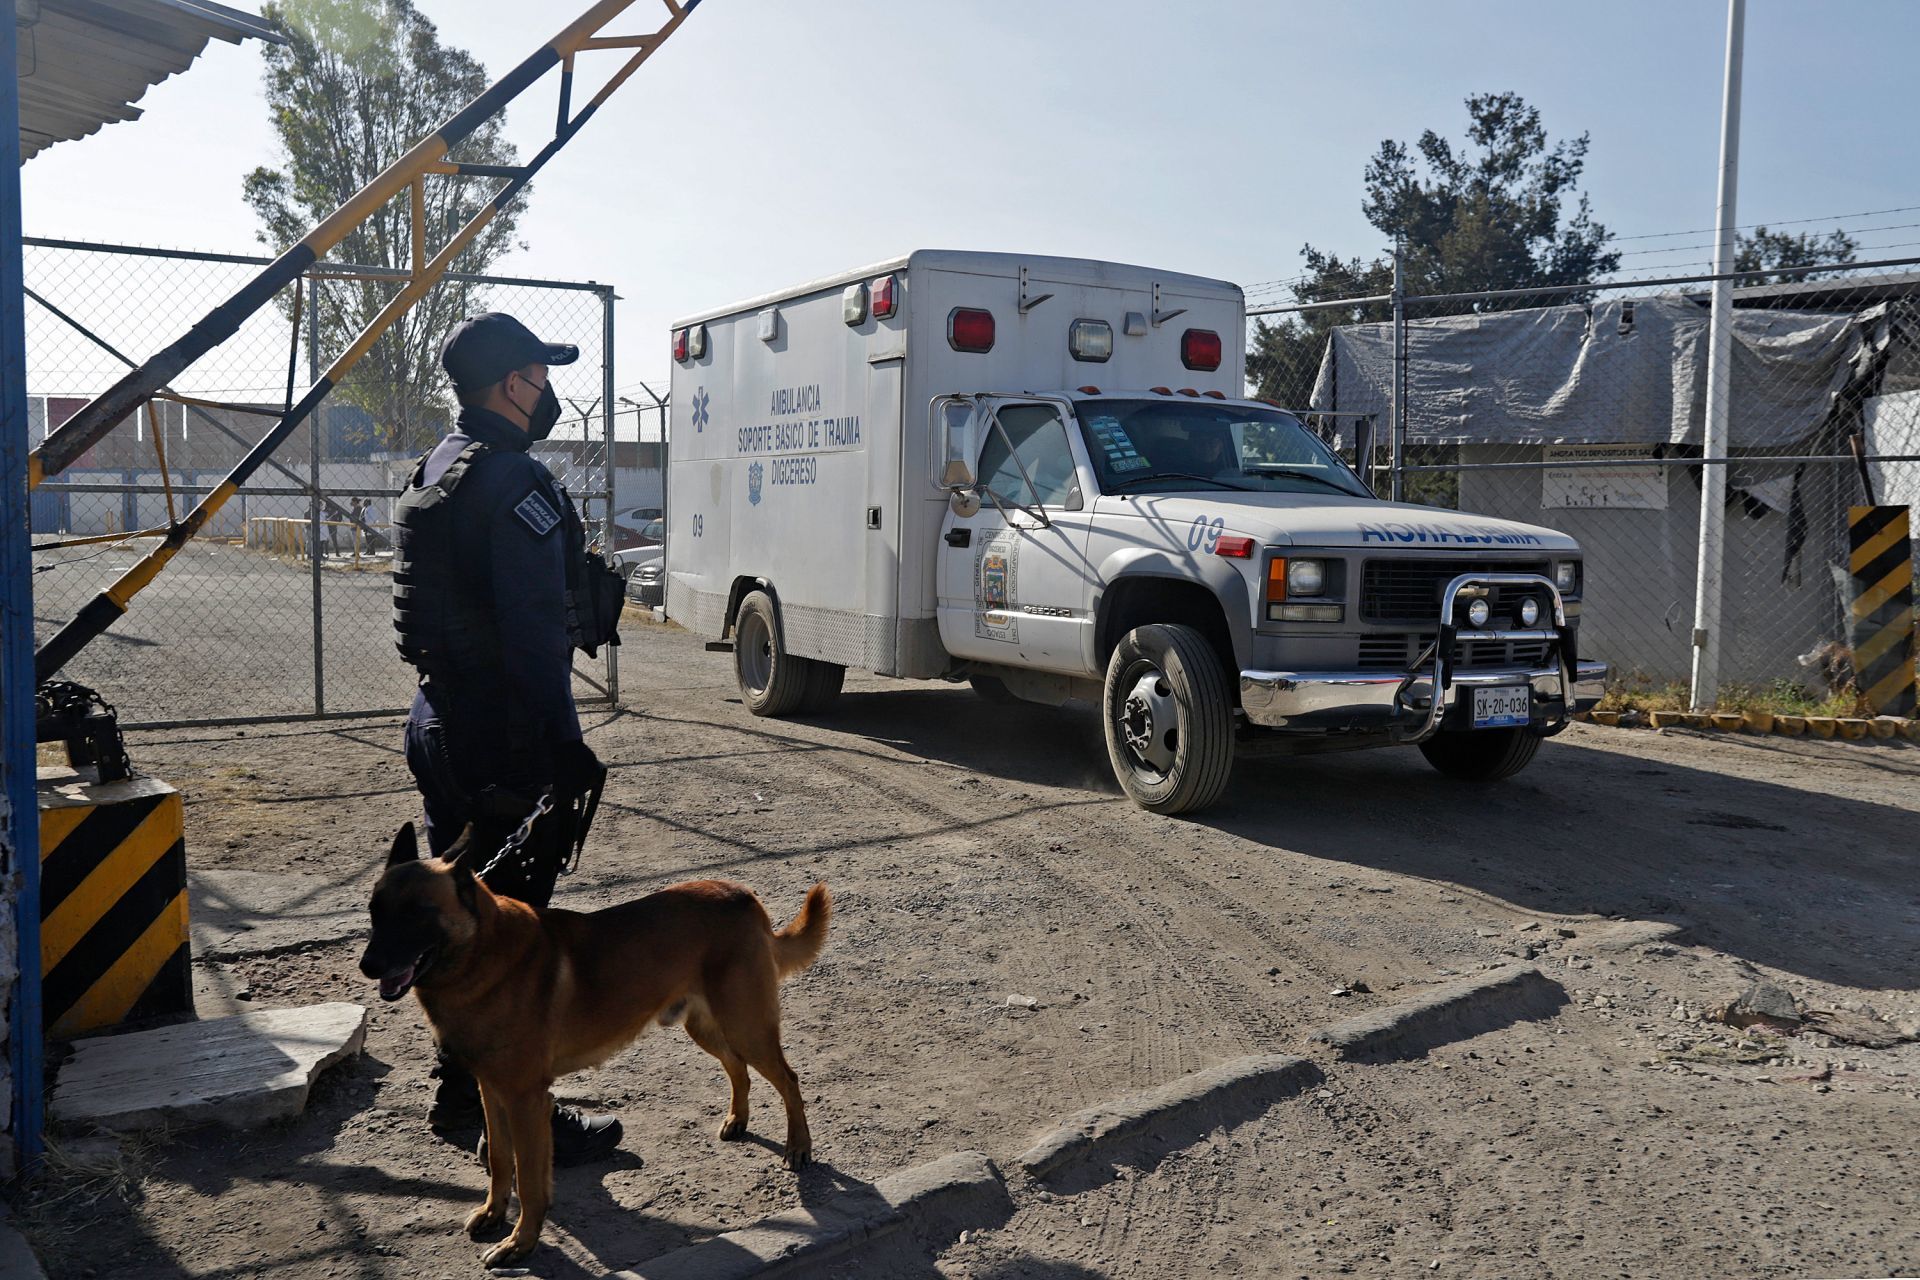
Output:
x=487 y=606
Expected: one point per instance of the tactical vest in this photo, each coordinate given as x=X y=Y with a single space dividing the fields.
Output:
x=438 y=623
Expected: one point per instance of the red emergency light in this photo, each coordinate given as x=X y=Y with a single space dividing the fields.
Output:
x=1200 y=349
x=883 y=296
x=680 y=346
x=970 y=329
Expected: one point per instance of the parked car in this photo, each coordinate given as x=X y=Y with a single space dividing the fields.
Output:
x=647 y=584
x=636 y=519
x=625 y=560
x=638 y=538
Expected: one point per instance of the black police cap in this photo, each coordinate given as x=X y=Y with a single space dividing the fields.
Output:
x=485 y=348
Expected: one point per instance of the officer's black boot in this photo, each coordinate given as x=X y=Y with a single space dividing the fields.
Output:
x=456 y=1103
x=579 y=1138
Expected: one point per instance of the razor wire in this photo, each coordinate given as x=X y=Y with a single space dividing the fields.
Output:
x=1580 y=408
x=281 y=608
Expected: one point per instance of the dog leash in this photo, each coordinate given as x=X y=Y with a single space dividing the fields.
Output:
x=517 y=842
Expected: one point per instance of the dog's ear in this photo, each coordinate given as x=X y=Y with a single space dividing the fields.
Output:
x=461 y=857
x=461 y=854
x=405 y=847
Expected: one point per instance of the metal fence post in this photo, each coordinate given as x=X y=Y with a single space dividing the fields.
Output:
x=19 y=806
x=606 y=405
x=1397 y=419
x=313 y=498
x=1710 y=570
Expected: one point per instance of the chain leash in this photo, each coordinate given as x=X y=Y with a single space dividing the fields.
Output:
x=516 y=843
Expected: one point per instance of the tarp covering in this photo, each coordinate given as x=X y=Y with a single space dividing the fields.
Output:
x=1618 y=371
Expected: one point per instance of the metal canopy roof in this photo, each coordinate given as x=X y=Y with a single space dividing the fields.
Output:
x=84 y=63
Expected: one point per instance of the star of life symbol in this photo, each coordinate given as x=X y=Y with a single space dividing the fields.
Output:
x=700 y=402
x=754 y=474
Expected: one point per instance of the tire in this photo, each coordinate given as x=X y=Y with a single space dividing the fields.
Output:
x=993 y=689
x=1480 y=755
x=823 y=685
x=1160 y=673
x=772 y=681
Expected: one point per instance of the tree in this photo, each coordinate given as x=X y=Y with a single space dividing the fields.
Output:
x=358 y=83
x=1781 y=252
x=1487 y=214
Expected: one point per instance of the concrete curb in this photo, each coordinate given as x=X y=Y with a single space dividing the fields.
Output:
x=961 y=1188
x=1244 y=1084
x=1451 y=1011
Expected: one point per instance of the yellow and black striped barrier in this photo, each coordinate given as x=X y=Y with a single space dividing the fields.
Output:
x=113 y=902
x=1881 y=565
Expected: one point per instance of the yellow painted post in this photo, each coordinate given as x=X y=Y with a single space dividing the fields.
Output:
x=1881 y=566
x=113 y=905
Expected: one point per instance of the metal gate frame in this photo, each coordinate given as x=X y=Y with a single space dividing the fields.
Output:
x=606 y=688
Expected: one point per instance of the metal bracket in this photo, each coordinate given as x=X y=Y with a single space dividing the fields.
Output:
x=1028 y=303
x=1161 y=317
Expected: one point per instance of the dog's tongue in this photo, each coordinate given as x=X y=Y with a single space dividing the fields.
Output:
x=395 y=985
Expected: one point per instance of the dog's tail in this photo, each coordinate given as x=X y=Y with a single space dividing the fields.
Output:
x=798 y=945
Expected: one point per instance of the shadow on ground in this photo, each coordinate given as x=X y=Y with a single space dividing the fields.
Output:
x=1778 y=872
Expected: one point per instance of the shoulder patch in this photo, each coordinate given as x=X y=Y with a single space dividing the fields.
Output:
x=537 y=513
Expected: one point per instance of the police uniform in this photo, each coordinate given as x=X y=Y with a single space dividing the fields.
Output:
x=484 y=540
x=493 y=589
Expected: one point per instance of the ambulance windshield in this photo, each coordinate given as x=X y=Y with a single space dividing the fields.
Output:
x=1176 y=446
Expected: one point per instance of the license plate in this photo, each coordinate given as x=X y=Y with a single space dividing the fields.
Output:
x=1502 y=706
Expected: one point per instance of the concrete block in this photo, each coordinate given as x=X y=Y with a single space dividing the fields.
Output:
x=16 y=1259
x=241 y=1071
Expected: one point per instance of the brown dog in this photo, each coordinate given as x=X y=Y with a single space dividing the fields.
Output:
x=520 y=995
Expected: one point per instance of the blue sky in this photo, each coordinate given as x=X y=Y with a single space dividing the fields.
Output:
x=772 y=142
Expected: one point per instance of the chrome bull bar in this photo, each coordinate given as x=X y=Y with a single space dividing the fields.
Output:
x=1385 y=701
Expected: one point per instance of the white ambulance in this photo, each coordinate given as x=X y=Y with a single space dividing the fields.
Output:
x=1039 y=475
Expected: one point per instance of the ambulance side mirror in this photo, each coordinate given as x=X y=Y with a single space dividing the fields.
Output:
x=957 y=479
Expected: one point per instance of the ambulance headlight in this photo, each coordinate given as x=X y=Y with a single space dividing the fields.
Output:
x=1529 y=611
x=1566 y=576
x=1306 y=577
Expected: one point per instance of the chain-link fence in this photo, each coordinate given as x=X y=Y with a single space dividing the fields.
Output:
x=281 y=607
x=1582 y=408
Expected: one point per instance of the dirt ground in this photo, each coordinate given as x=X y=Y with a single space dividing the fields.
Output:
x=977 y=852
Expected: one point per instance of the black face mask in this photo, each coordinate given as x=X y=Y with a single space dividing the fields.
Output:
x=545 y=412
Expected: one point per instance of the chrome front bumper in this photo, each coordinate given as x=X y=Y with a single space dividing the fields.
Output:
x=1372 y=700
x=1403 y=703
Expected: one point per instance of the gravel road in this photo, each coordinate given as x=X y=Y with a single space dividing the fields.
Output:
x=978 y=852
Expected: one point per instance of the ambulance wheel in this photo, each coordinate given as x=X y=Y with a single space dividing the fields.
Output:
x=992 y=688
x=823 y=684
x=1480 y=755
x=1168 y=719
x=772 y=681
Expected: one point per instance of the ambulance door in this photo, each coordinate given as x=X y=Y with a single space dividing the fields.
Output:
x=1014 y=582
